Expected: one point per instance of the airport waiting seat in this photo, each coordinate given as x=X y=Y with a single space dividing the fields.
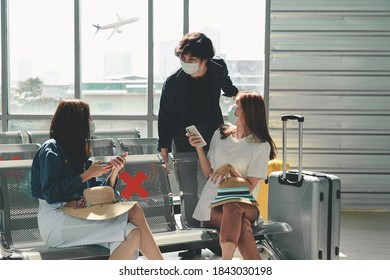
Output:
x=102 y=147
x=20 y=237
x=19 y=231
x=18 y=151
x=191 y=183
x=138 y=146
x=39 y=137
x=153 y=194
x=11 y=137
x=116 y=133
x=144 y=179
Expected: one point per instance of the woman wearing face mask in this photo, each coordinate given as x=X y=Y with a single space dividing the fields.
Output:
x=61 y=171
x=190 y=96
x=238 y=157
x=231 y=114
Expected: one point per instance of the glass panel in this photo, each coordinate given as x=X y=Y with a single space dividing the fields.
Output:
x=155 y=129
x=115 y=57
x=110 y=124
x=1 y=98
x=41 y=55
x=43 y=125
x=168 y=31
x=26 y=125
x=237 y=32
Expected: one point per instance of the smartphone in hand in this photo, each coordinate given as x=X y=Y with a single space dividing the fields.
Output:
x=192 y=129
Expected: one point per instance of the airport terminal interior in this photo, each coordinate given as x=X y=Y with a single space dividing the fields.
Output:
x=324 y=61
x=364 y=235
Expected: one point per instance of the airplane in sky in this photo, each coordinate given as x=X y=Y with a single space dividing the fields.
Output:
x=116 y=26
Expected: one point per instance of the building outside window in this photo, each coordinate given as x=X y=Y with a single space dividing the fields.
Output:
x=115 y=64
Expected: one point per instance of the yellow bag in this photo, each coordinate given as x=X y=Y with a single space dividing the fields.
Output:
x=262 y=195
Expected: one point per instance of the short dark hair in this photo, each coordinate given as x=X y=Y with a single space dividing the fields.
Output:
x=195 y=44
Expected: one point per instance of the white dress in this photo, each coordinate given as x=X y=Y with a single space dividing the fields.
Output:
x=248 y=157
x=61 y=230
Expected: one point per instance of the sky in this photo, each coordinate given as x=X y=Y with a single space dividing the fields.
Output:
x=41 y=33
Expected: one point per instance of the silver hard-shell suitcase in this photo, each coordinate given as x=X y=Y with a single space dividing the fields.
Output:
x=310 y=203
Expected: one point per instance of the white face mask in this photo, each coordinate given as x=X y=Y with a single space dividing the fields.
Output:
x=189 y=68
x=231 y=115
x=91 y=128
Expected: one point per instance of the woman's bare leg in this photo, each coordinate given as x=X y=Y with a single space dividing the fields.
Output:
x=148 y=246
x=228 y=250
x=127 y=249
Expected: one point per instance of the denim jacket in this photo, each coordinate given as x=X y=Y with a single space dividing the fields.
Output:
x=54 y=179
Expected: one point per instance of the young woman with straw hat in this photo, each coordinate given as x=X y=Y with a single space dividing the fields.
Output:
x=72 y=210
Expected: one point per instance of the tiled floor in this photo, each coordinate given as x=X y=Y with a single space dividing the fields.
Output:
x=364 y=235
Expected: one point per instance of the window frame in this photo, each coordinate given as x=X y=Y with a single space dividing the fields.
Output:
x=150 y=118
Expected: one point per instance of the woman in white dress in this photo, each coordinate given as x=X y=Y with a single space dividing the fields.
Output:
x=241 y=151
x=61 y=172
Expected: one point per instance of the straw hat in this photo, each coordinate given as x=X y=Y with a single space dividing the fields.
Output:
x=101 y=205
x=233 y=189
x=232 y=182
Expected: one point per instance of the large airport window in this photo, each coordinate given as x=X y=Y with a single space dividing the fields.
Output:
x=41 y=55
x=237 y=31
x=168 y=30
x=115 y=56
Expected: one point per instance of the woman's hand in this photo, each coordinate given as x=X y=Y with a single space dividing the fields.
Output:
x=96 y=169
x=118 y=163
x=81 y=203
x=194 y=139
x=221 y=173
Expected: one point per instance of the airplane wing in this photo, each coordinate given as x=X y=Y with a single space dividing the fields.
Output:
x=113 y=32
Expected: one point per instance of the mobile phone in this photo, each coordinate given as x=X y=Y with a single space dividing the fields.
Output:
x=192 y=129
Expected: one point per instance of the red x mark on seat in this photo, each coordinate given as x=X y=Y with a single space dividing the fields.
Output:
x=133 y=185
x=13 y=173
x=13 y=158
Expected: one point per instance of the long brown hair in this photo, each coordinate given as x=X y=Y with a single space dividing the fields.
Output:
x=253 y=107
x=70 y=128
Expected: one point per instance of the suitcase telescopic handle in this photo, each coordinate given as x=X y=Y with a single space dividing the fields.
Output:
x=300 y=120
x=292 y=117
